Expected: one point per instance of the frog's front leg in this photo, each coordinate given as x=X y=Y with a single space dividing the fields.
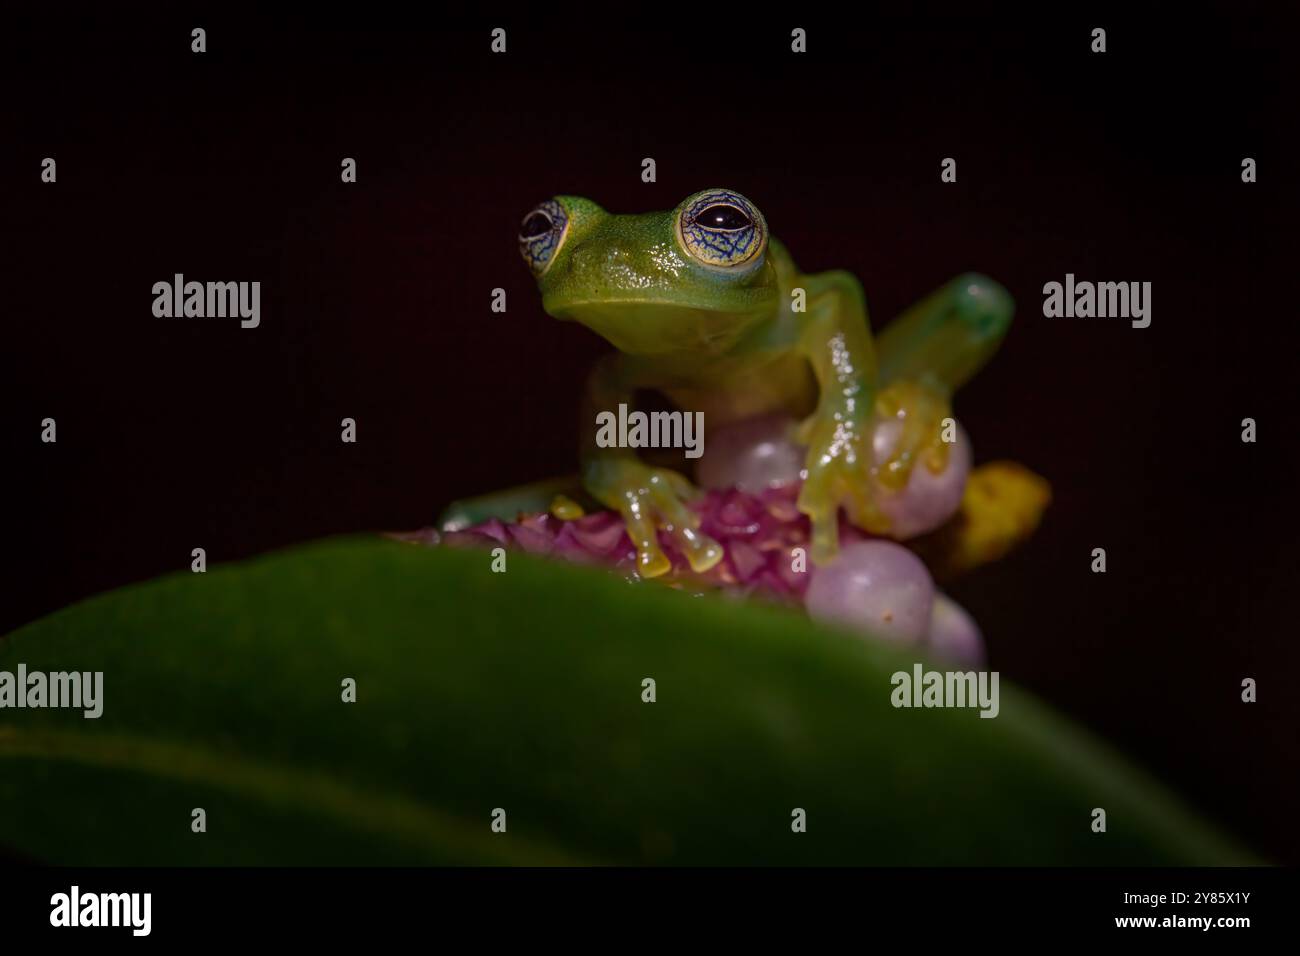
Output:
x=836 y=340
x=649 y=499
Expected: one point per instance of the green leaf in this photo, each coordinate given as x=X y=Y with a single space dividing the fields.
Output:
x=522 y=691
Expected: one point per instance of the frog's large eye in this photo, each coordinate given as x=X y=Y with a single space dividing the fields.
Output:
x=721 y=228
x=541 y=234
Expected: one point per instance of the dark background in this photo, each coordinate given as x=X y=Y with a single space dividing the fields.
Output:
x=175 y=434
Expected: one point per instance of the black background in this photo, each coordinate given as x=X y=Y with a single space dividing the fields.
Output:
x=175 y=434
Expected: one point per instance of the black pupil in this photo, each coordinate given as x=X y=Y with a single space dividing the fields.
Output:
x=537 y=224
x=723 y=217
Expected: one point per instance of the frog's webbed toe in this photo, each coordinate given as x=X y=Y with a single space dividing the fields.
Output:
x=860 y=466
x=653 y=500
x=839 y=473
x=911 y=431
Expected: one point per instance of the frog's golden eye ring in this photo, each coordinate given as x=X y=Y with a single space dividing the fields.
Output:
x=541 y=235
x=722 y=228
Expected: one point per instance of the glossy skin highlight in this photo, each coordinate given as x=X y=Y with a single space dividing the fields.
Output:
x=700 y=303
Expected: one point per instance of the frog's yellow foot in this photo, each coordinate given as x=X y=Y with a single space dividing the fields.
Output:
x=651 y=500
x=565 y=508
x=912 y=415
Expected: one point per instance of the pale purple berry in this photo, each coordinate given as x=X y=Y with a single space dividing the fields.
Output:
x=878 y=587
x=760 y=453
x=751 y=455
x=954 y=635
x=927 y=500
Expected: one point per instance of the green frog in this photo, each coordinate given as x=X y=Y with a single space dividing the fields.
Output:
x=704 y=306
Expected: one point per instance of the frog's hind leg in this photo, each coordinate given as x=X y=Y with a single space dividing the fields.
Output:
x=565 y=495
x=947 y=337
x=925 y=355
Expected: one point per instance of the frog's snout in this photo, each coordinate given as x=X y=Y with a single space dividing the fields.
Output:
x=606 y=268
x=590 y=259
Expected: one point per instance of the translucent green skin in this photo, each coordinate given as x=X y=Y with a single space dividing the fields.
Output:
x=728 y=341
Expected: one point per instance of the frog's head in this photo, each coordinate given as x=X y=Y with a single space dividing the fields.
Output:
x=690 y=280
